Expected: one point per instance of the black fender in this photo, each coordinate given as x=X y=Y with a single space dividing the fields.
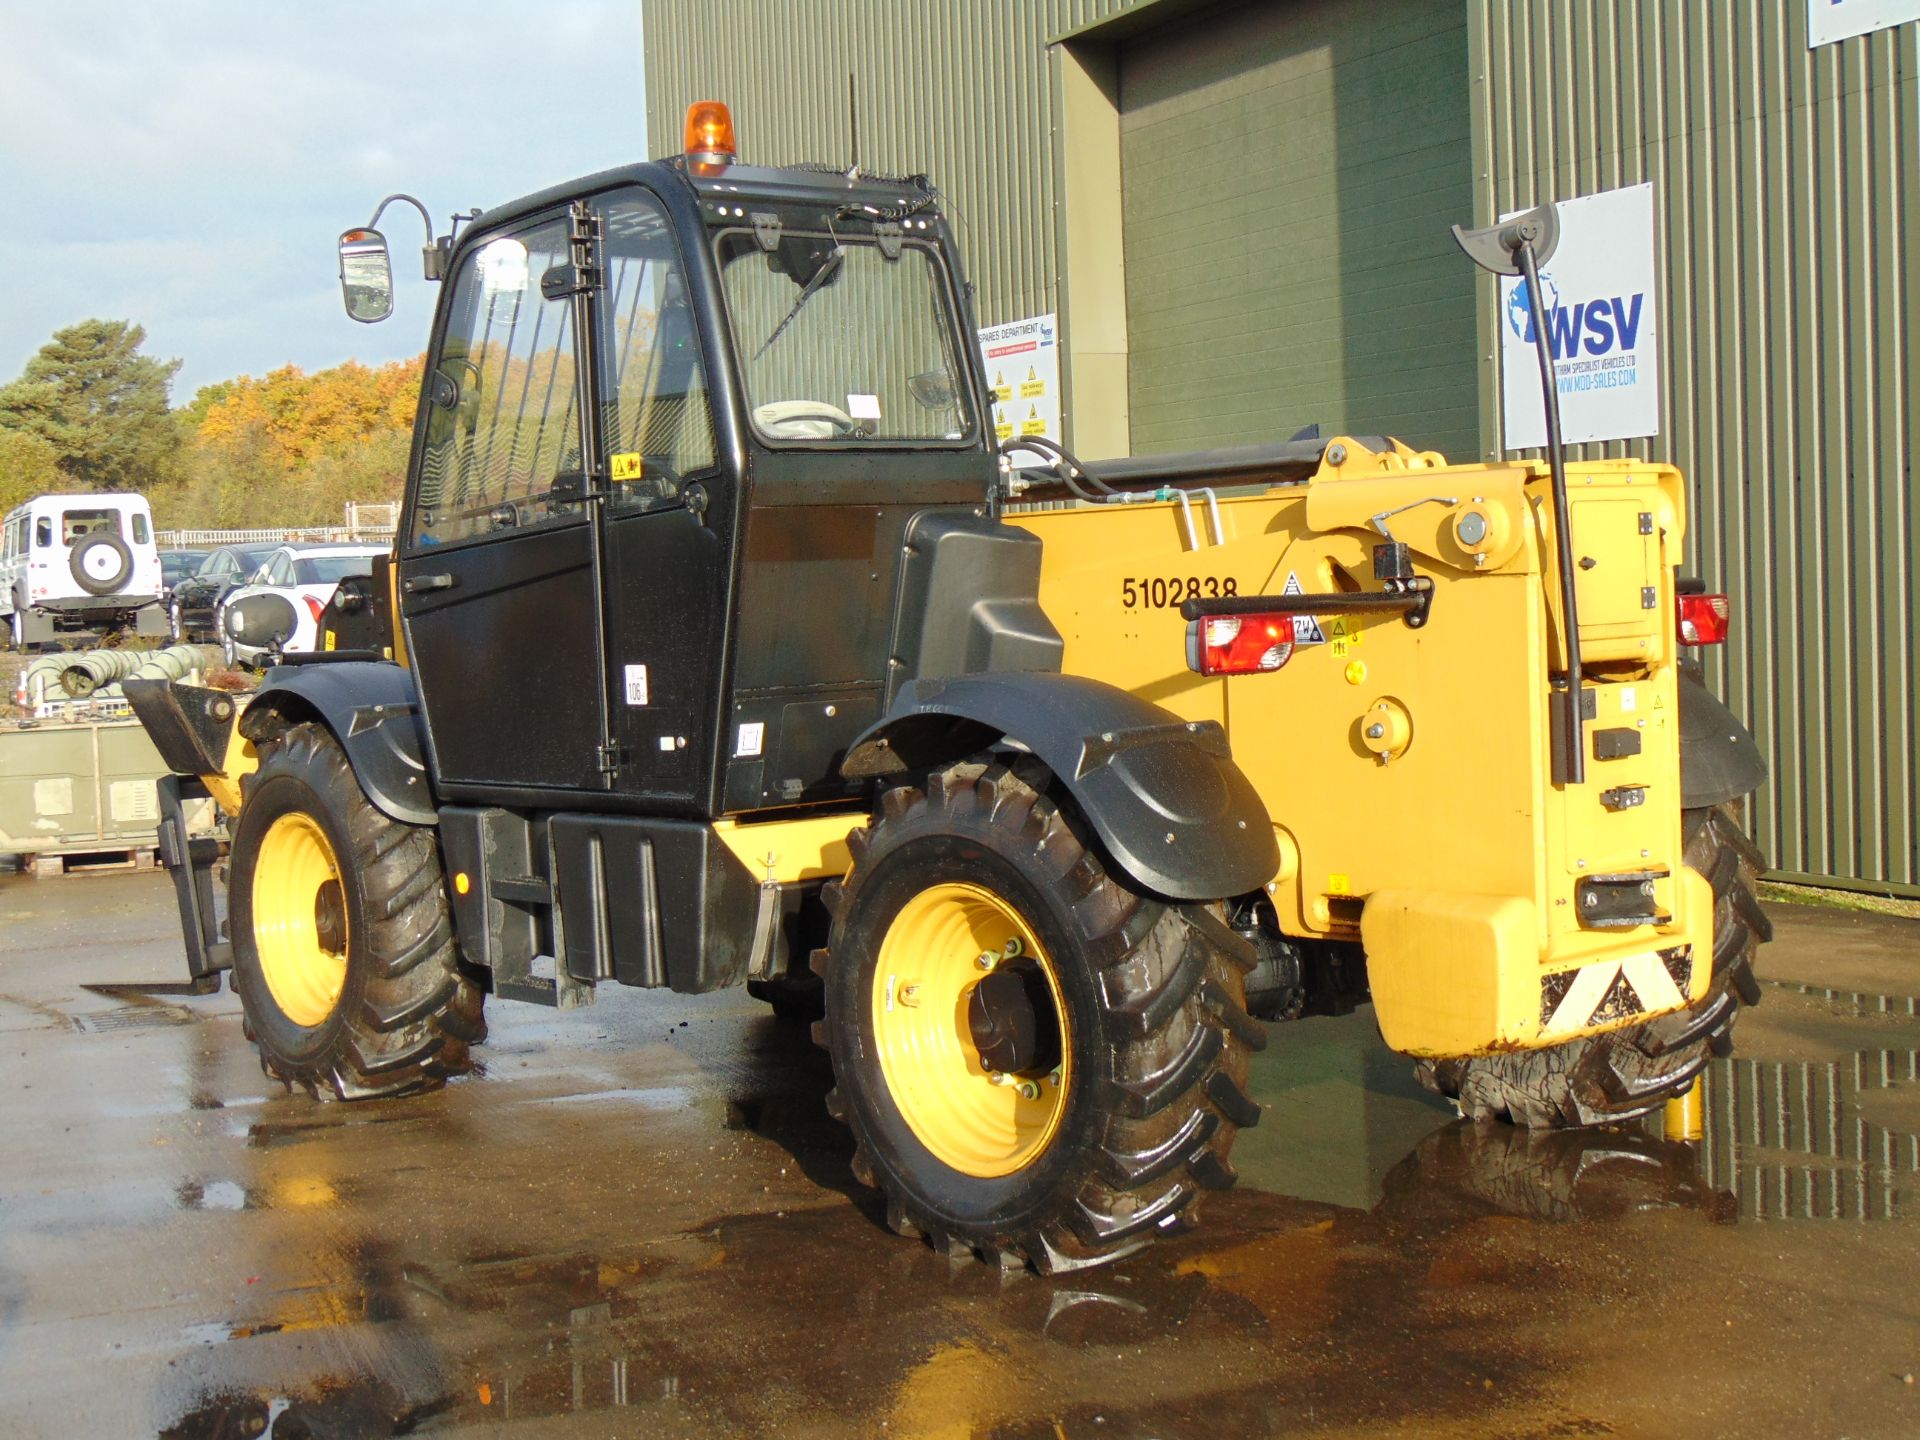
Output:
x=1719 y=758
x=373 y=711
x=1163 y=794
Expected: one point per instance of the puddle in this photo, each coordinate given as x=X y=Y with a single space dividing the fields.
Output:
x=1787 y=1138
x=335 y=1407
x=215 y=1195
x=666 y=1097
x=1857 y=1001
x=292 y=1191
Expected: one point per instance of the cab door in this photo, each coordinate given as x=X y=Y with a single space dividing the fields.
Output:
x=497 y=564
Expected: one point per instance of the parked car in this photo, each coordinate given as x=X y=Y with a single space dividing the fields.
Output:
x=194 y=601
x=79 y=564
x=176 y=566
x=280 y=607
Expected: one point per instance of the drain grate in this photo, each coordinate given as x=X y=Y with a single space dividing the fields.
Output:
x=134 y=1017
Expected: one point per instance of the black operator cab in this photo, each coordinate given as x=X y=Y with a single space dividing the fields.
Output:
x=677 y=421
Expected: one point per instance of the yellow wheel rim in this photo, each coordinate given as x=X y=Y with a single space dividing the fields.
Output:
x=300 y=919
x=931 y=961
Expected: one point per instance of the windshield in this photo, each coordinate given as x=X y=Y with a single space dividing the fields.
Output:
x=838 y=343
x=178 y=564
x=330 y=569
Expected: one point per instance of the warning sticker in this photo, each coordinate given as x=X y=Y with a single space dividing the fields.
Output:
x=752 y=740
x=1306 y=628
x=1343 y=634
x=624 y=467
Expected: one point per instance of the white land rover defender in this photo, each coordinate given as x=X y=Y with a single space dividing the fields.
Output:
x=79 y=564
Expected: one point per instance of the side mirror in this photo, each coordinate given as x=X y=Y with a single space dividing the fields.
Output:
x=366 y=276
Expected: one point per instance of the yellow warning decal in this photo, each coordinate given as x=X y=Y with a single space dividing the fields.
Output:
x=1339 y=885
x=625 y=467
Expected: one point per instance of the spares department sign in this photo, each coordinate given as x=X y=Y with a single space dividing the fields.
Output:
x=1602 y=326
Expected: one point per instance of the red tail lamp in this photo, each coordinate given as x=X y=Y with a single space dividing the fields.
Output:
x=1239 y=644
x=1703 y=619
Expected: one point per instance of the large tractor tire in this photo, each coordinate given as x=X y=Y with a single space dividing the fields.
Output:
x=1039 y=1064
x=343 y=950
x=1623 y=1074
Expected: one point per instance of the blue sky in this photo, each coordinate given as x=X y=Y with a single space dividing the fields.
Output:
x=189 y=165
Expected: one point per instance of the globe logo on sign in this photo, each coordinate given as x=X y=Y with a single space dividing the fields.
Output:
x=1520 y=313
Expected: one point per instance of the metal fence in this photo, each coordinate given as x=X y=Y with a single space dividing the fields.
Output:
x=310 y=534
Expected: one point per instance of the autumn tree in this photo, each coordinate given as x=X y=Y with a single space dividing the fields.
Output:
x=289 y=448
x=98 y=405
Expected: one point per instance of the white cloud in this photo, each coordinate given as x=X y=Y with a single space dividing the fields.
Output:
x=189 y=165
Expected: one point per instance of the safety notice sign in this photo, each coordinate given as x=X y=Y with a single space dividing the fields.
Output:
x=1023 y=371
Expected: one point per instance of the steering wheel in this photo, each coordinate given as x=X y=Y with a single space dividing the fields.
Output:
x=806 y=420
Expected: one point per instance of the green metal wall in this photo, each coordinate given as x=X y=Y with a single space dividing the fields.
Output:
x=1289 y=174
x=1784 y=182
x=960 y=90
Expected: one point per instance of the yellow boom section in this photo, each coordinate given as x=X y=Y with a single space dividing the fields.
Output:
x=1409 y=770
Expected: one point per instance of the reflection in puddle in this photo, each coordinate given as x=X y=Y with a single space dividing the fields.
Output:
x=1787 y=1138
x=1860 y=1002
x=214 y=1195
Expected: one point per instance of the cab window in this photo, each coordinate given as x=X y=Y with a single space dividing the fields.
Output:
x=659 y=424
x=43 y=530
x=502 y=426
x=842 y=342
x=140 y=531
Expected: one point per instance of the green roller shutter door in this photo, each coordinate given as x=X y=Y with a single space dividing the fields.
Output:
x=1290 y=171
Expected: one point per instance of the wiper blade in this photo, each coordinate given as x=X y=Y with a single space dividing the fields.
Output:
x=829 y=268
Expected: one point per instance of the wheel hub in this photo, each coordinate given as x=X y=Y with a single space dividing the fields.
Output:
x=1013 y=1022
x=969 y=1029
x=300 y=925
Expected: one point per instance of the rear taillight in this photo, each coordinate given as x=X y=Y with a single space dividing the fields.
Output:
x=316 y=605
x=1703 y=619
x=1239 y=644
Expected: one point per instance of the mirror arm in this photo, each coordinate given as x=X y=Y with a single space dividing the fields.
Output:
x=433 y=255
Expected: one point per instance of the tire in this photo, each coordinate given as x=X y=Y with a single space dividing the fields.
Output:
x=1122 y=1095
x=349 y=982
x=799 y=999
x=106 y=544
x=1623 y=1074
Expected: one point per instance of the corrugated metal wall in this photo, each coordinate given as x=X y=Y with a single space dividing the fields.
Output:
x=1311 y=280
x=958 y=89
x=1785 y=182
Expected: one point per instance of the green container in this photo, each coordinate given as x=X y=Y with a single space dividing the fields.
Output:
x=80 y=787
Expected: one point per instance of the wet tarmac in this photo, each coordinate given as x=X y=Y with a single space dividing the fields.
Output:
x=639 y=1220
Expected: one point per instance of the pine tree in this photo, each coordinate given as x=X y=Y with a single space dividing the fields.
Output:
x=99 y=404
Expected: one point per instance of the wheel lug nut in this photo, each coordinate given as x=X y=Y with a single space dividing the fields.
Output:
x=1029 y=1090
x=908 y=995
x=999 y=1077
x=1012 y=947
x=986 y=960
